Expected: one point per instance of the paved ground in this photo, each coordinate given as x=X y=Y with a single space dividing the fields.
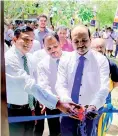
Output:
x=46 y=132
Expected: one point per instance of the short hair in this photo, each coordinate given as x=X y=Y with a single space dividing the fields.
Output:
x=22 y=29
x=42 y=15
x=61 y=28
x=89 y=33
x=51 y=35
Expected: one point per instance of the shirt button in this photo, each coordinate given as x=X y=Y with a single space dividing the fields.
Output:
x=80 y=95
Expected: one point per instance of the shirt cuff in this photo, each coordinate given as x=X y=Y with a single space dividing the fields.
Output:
x=95 y=103
x=49 y=100
x=65 y=99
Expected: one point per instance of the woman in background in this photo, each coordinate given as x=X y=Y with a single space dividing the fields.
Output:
x=65 y=43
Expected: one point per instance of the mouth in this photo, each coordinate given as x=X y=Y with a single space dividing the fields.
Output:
x=54 y=54
x=81 y=48
x=26 y=47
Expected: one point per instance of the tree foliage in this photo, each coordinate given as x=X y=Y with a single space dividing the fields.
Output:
x=62 y=12
x=105 y=11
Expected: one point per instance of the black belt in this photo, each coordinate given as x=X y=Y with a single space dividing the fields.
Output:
x=13 y=106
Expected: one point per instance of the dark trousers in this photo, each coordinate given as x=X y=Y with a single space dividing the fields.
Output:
x=20 y=128
x=54 y=124
x=39 y=127
x=116 y=51
x=71 y=127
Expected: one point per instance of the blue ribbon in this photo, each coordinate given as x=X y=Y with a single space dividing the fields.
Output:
x=108 y=118
x=31 y=118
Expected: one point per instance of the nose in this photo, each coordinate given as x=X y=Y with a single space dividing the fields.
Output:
x=80 y=43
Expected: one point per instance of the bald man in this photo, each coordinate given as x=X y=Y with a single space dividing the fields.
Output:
x=83 y=77
x=99 y=45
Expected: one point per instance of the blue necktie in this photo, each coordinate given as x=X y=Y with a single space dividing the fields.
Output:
x=57 y=61
x=77 y=80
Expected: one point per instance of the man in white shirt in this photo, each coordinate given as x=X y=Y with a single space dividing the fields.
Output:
x=36 y=46
x=20 y=82
x=84 y=78
x=39 y=55
x=47 y=75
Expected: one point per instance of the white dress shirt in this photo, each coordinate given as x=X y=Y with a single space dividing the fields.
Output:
x=19 y=84
x=47 y=73
x=36 y=46
x=95 y=79
x=39 y=55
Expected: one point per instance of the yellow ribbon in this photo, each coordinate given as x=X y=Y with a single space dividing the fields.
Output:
x=103 y=115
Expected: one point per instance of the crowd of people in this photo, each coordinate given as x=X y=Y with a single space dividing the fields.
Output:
x=52 y=71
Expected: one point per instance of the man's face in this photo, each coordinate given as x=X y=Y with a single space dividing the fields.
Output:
x=80 y=40
x=62 y=34
x=24 y=42
x=100 y=49
x=52 y=47
x=99 y=45
x=42 y=22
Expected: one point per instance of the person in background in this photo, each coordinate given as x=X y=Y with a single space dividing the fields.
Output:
x=36 y=46
x=116 y=51
x=9 y=35
x=32 y=25
x=96 y=34
x=99 y=45
x=36 y=26
x=65 y=43
x=110 y=37
x=28 y=23
x=41 y=30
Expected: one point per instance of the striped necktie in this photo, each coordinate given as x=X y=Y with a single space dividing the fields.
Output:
x=30 y=97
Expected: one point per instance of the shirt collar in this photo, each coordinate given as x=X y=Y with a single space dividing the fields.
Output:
x=19 y=52
x=46 y=30
x=87 y=55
